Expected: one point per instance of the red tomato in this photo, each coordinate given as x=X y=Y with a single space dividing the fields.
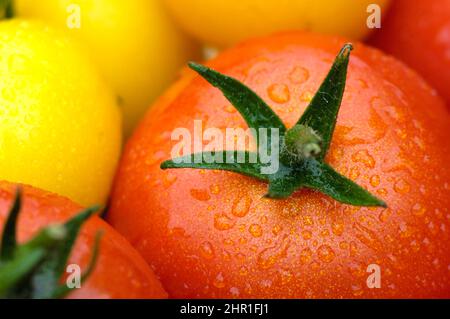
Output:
x=418 y=32
x=212 y=234
x=119 y=273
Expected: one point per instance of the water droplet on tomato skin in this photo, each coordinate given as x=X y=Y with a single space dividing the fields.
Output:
x=326 y=254
x=234 y=291
x=337 y=228
x=255 y=230
x=241 y=206
x=306 y=256
x=223 y=222
x=299 y=75
x=401 y=186
x=279 y=93
x=207 y=250
x=219 y=281
x=364 y=157
x=215 y=189
x=200 y=194
x=306 y=96
x=306 y=234
x=418 y=210
x=375 y=180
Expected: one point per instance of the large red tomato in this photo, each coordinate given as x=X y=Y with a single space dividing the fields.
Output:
x=213 y=234
x=418 y=32
x=119 y=273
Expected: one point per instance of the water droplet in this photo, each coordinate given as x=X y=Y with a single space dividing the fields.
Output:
x=419 y=210
x=306 y=256
x=200 y=194
x=269 y=256
x=276 y=229
x=230 y=109
x=415 y=246
x=299 y=75
x=219 y=281
x=326 y=254
x=243 y=271
x=354 y=173
x=307 y=220
x=306 y=96
x=384 y=215
x=215 y=189
x=169 y=179
x=363 y=84
x=207 y=250
x=241 y=206
x=223 y=222
x=306 y=234
x=357 y=290
x=353 y=248
x=364 y=157
x=279 y=93
x=263 y=219
x=338 y=228
x=234 y=292
x=401 y=186
x=375 y=180
x=255 y=230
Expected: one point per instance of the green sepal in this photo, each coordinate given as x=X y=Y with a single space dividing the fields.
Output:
x=33 y=270
x=303 y=148
x=8 y=243
x=7 y=6
x=47 y=275
x=320 y=176
x=321 y=114
x=26 y=258
x=62 y=291
x=246 y=168
x=256 y=113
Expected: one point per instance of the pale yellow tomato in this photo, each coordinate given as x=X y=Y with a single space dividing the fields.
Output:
x=60 y=125
x=136 y=45
x=224 y=22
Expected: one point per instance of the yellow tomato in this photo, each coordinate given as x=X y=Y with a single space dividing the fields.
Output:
x=60 y=125
x=137 y=47
x=224 y=22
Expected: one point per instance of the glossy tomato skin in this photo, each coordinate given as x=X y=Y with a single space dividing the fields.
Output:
x=418 y=32
x=119 y=273
x=212 y=234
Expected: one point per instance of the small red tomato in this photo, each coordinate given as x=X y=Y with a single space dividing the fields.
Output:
x=214 y=234
x=418 y=32
x=120 y=272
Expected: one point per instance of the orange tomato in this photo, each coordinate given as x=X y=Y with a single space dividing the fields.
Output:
x=212 y=234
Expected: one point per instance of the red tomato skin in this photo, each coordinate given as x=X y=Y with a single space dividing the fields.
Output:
x=211 y=234
x=120 y=272
x=418 y=33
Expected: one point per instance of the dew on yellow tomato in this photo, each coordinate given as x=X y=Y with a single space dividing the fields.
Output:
x=135 y=44
x=60 y=124
x=249 y=18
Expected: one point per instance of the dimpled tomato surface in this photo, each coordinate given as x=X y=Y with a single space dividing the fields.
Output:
x=212 y=234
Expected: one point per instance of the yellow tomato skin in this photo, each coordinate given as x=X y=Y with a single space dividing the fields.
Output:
x=223 y=23
x=136 y=45
x=60 y=124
